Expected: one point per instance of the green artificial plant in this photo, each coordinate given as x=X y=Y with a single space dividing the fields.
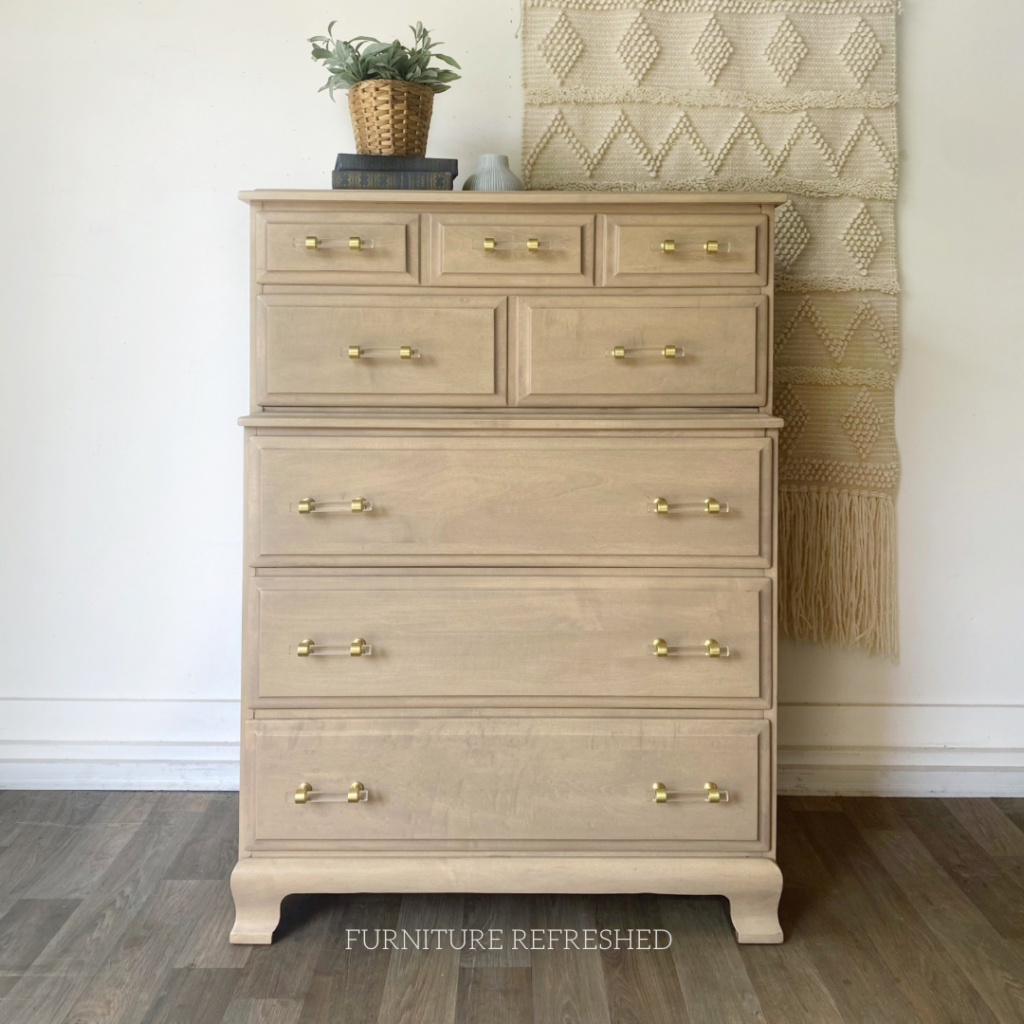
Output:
x=365 y=57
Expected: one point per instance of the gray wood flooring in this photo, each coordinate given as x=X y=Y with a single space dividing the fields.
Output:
x=114 y=908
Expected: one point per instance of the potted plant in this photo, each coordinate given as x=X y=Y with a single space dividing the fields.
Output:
x=390 y=87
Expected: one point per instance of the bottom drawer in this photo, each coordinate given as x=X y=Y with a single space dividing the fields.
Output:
x=509 y=779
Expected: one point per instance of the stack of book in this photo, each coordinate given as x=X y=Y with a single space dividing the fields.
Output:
x=395 y=172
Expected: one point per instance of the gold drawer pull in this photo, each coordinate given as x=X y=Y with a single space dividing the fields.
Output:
x=312 y=242
x=358 y=648
x=669 y=245
x=357 y=794
x=488 y=245
x=404 y=352
x=660 y=793
x=661 y=648
x=310 y=505
x=667 y=351
x=710 y=506
x=532 y=245
x=355 y=243
x=711 y=248
x=714 y=794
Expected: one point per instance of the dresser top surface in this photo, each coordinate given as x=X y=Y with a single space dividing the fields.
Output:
x=581 y=200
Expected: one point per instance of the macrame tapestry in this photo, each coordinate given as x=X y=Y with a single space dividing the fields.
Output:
x=794 y=96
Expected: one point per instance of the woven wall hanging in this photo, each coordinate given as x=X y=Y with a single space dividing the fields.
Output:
x=796 y=96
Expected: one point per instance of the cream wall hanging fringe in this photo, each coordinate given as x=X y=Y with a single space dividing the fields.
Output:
x=784 y=95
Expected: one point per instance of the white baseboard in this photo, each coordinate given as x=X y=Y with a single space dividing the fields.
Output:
x=805 y=771
x=901 y=771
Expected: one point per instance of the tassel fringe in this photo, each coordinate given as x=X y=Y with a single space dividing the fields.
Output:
x=837 y=569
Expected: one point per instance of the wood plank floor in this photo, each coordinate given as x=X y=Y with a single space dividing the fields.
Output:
x=115 y=909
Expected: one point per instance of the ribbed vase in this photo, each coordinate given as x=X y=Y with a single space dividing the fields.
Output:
x=492 y=175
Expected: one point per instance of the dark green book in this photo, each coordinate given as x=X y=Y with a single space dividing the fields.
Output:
x=375 y=162
x=427 y=181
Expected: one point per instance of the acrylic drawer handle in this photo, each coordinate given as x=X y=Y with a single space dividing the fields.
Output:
x=403 y=352
x=310 y=505
x=714 y=795
x=709 y=649
x=358 y=648
x=666 y=351
x=357 y=794
x=710 y=506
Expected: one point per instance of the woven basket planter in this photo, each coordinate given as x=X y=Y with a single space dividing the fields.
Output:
x=390 y=118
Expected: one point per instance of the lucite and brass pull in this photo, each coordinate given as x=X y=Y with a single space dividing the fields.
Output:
x=640 y=351
x=669 y=245
x=379 y=351
x=489 y=245
x=357 y=794
x=353 y=243
x=712 y=794
x=358 y=648
x=308 y=506
x=533 y=245
x=691 y=249
x=711 y=248
x=661 y=648
x=710 y=506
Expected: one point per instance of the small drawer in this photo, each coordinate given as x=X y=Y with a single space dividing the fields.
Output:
x=504 y=780
x=510 y=250
x=517 y=637
x=701 y=350
x=511 y=501
x=651 y=250
x=413 y=350
x=337 y=248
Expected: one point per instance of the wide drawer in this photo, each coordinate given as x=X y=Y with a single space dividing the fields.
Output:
x=510 y=501
x=511 y=779
x=683 y=250
x=380 y=350
x=295 y=247
x=509 y=250
x=701 y=350
x=488 y=636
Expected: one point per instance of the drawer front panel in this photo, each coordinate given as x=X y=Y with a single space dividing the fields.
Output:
x=674 y=351
x=501 y=636
x=485 y=501
x=652 y=250
x=456 y=350
x=511 y=779
x=387 y=252
x=459 y=251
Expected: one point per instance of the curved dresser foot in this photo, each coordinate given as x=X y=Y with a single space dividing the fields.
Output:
x=754 y=907
x=257 y=903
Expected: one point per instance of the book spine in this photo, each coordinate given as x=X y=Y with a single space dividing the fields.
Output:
x=370 y=162
x=431 y=181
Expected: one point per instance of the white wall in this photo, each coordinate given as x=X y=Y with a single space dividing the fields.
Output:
x=128 y=128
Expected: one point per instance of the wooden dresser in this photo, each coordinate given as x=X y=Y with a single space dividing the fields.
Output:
x=510 y=581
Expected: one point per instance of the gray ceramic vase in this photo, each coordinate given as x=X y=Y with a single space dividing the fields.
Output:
x=492 y=175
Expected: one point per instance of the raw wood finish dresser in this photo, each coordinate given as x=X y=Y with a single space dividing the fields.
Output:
x=510 y=543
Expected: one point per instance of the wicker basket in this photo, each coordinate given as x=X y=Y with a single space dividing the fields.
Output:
x=389 y=117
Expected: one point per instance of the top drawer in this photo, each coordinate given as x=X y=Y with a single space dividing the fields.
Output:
x=337 y=248
x=683 y=250
x=510 y=250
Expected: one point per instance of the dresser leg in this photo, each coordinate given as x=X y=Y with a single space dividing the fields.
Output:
x=754 y=909
x=257 y=904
